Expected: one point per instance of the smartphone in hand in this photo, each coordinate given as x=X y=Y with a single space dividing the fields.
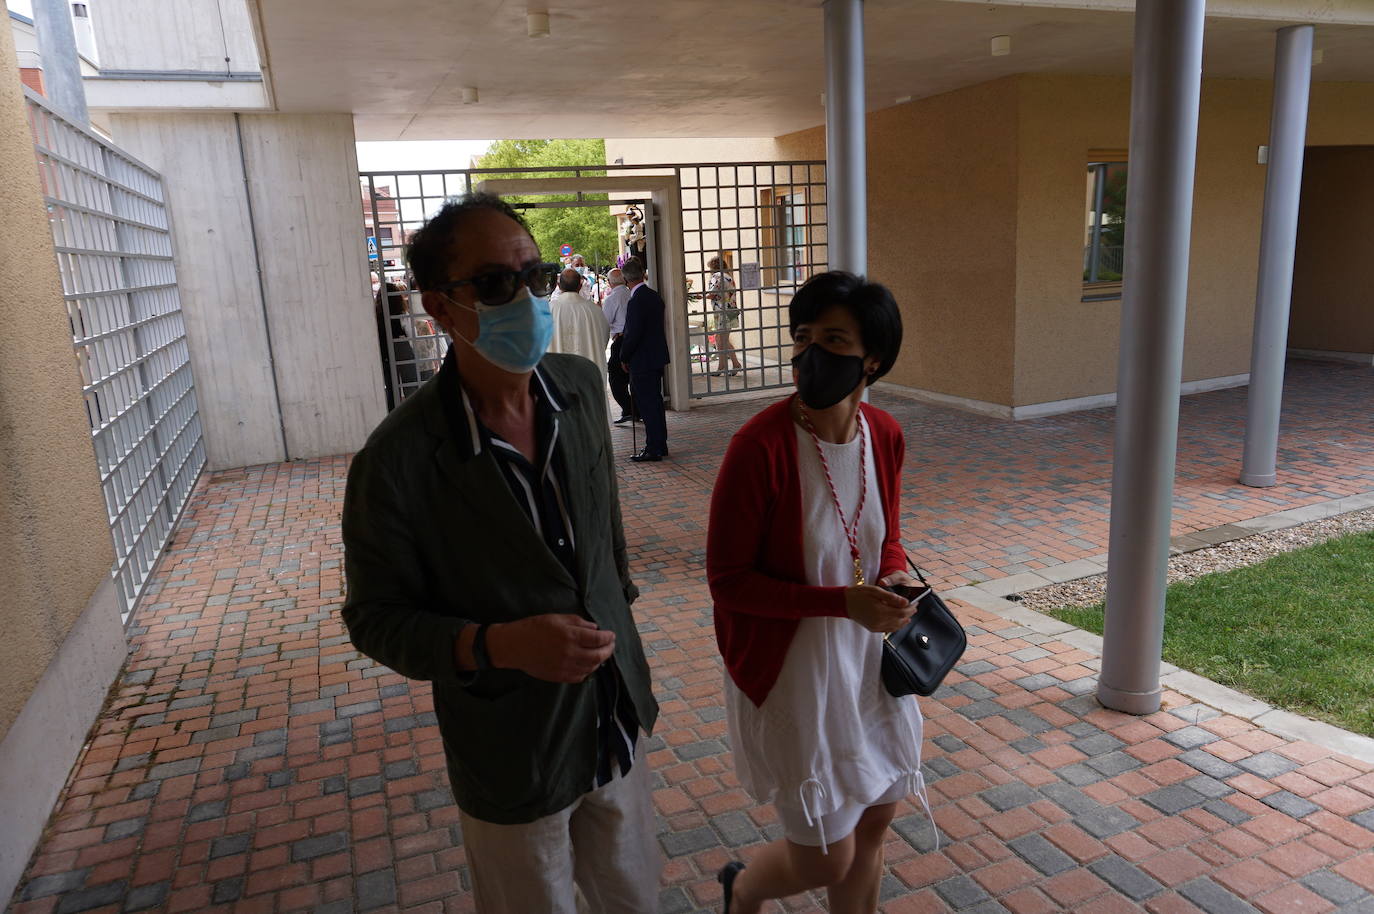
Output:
x=912 y=594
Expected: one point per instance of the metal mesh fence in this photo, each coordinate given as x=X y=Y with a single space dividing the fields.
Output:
x=764 y=221
x=114 y=251
x=752 y=234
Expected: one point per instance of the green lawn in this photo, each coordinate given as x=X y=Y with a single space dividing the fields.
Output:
x=1296 y=631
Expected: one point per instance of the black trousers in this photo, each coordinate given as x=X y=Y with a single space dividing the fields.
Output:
x=619 y=378
x=648 y=390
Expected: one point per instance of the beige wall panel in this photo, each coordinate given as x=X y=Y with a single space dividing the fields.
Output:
x=1333 y=308
x=198 y=156
x=55 y=547
x=942 y=233
x=303 y=175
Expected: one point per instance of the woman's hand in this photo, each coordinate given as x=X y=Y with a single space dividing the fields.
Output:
x=899 y=579
x=877 y=610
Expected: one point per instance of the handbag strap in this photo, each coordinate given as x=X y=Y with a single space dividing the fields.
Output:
x=924 y=582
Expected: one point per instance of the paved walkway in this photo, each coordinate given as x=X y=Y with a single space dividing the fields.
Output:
x=249 y=760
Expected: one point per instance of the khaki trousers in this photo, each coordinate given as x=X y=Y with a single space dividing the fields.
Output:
x=604 y=845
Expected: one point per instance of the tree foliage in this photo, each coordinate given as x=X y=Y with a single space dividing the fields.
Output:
x=590 y=230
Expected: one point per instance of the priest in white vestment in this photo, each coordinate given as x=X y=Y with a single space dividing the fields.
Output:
x=579 y=327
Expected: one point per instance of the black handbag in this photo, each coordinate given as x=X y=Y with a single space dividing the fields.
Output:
x=918 y=656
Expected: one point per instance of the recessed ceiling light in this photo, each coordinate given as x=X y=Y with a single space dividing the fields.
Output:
x=537 y=23
x=1001 y=45
x=1317 y=56
x=469 y=95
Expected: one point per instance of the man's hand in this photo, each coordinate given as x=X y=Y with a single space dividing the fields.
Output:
x=876 y=609
x=556 y=647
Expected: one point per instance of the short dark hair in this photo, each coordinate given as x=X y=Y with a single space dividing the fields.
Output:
x=871 y=304
x=632 y=269
x=569 y=280
x=427 y=252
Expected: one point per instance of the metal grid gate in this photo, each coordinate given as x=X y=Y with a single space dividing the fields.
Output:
x=114 y=251
x=766 y=221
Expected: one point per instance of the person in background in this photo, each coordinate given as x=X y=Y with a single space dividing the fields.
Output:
x=588 y=290
x=484 y=552
x=393 y=303
x=643 y=354
x=721 y=293
x=616 y=375
x=804 y=537
x=579 y=327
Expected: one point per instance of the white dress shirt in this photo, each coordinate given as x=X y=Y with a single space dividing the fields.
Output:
x=614 y=307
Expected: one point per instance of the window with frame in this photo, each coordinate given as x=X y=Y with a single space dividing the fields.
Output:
x=786 y=245
x=792 y=235
x=1105 y=229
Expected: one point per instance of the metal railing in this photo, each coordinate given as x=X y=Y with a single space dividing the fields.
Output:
x=114 y=251
x=767 y=220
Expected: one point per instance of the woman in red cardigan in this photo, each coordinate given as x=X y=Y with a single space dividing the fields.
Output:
x=804 y=538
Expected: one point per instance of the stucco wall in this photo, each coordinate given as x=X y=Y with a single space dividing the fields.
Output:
x=976 y=220
x=55 y=547
x=1333 y=308
x=302 y=174
x=942 y=233
x=1067 y=348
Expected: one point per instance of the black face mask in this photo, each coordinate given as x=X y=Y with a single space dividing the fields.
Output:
x=824 y=378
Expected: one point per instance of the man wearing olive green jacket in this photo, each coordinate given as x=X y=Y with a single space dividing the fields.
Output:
x=484 y=552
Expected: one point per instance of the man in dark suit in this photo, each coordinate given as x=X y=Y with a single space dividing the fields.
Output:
x=644 y=351
x=485 y=553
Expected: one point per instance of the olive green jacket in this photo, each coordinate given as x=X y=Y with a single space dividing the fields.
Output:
x=433 y=539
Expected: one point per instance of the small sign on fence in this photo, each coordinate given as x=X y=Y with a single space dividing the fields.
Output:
x=749 y=276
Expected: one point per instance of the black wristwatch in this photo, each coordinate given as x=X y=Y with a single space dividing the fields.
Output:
x=480 y=658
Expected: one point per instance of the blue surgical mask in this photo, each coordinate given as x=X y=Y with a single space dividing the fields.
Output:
x=513 y=336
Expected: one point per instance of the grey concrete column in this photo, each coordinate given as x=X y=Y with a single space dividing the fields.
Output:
x=1278 y=240
x=846 y=164
x=1166 y=82
x=61 y=68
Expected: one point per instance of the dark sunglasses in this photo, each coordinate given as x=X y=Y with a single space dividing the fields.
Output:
x=498 y=287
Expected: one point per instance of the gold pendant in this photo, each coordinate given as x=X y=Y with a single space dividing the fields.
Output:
x=858 y=573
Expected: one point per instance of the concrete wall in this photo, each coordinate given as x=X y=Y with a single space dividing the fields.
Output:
x=189 y=35
x=1333 y=309
x=301 y=173
x=656 y=150
x=63 y=643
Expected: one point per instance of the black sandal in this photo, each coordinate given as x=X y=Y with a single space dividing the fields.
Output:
x=726 y=877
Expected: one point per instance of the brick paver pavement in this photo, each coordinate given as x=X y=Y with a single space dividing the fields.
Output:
x=249 y=760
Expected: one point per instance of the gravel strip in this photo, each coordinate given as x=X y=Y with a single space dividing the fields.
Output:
x=1249 y=550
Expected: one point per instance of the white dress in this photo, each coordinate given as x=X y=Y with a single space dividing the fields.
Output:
x=829 y=741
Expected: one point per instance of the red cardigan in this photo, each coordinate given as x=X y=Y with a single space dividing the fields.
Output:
x=754 y=557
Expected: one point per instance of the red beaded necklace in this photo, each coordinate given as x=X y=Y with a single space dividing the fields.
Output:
x=851 y=529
